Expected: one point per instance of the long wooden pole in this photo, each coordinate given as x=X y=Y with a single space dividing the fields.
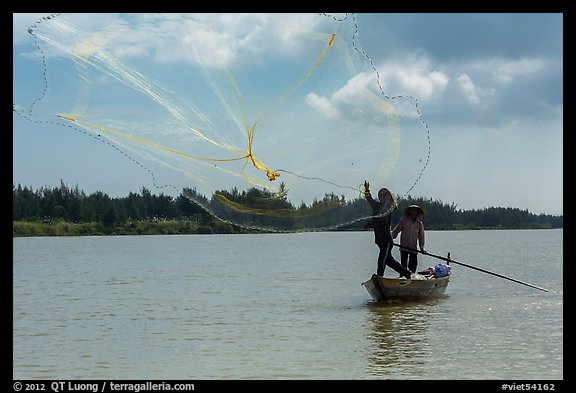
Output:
x=450 y=260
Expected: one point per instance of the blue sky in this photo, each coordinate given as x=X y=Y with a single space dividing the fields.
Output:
x=489 y=86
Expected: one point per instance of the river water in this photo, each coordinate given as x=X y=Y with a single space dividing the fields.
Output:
x=282 y=306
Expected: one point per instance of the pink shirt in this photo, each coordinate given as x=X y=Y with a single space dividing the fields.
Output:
x=412 y=232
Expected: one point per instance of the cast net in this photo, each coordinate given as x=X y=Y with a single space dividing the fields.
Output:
x=269 y=121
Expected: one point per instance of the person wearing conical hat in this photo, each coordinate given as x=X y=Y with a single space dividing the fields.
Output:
x=411 y=228
x=380 y=223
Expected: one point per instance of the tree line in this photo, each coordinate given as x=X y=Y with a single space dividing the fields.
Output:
x=69 y=204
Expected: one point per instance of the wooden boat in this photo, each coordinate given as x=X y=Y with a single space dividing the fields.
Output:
x=423 y=285
x=417 y=288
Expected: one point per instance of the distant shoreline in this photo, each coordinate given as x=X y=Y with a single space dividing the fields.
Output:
x=165 y=227
x=65 y=211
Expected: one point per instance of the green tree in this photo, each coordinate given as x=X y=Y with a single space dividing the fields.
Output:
x=109 y=217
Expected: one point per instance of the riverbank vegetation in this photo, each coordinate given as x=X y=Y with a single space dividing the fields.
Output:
x=68 y=211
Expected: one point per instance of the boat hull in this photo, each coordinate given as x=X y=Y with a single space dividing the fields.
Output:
x=381 y=288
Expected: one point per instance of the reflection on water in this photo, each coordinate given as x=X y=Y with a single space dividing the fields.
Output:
x=399 y=337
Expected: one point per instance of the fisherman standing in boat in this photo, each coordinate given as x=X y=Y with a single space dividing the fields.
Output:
x=412 y=234
x=380 y=223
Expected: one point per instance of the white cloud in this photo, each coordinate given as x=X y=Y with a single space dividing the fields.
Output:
x=215 y=39
x=348 y=94
x=322 y=105
x=415 y=77
x=344 y=100
x=362 y=92
x=421 y=83
x=490 y=83
x=467 y=87
x=209 y=39
x=508 y=70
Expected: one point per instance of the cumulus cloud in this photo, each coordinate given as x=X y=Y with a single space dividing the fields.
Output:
x=420 y=83
x=322 y=105
x=467 y=87
x=497 y=89
x=415 y=76
x=352 y=94
x=410 y=80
